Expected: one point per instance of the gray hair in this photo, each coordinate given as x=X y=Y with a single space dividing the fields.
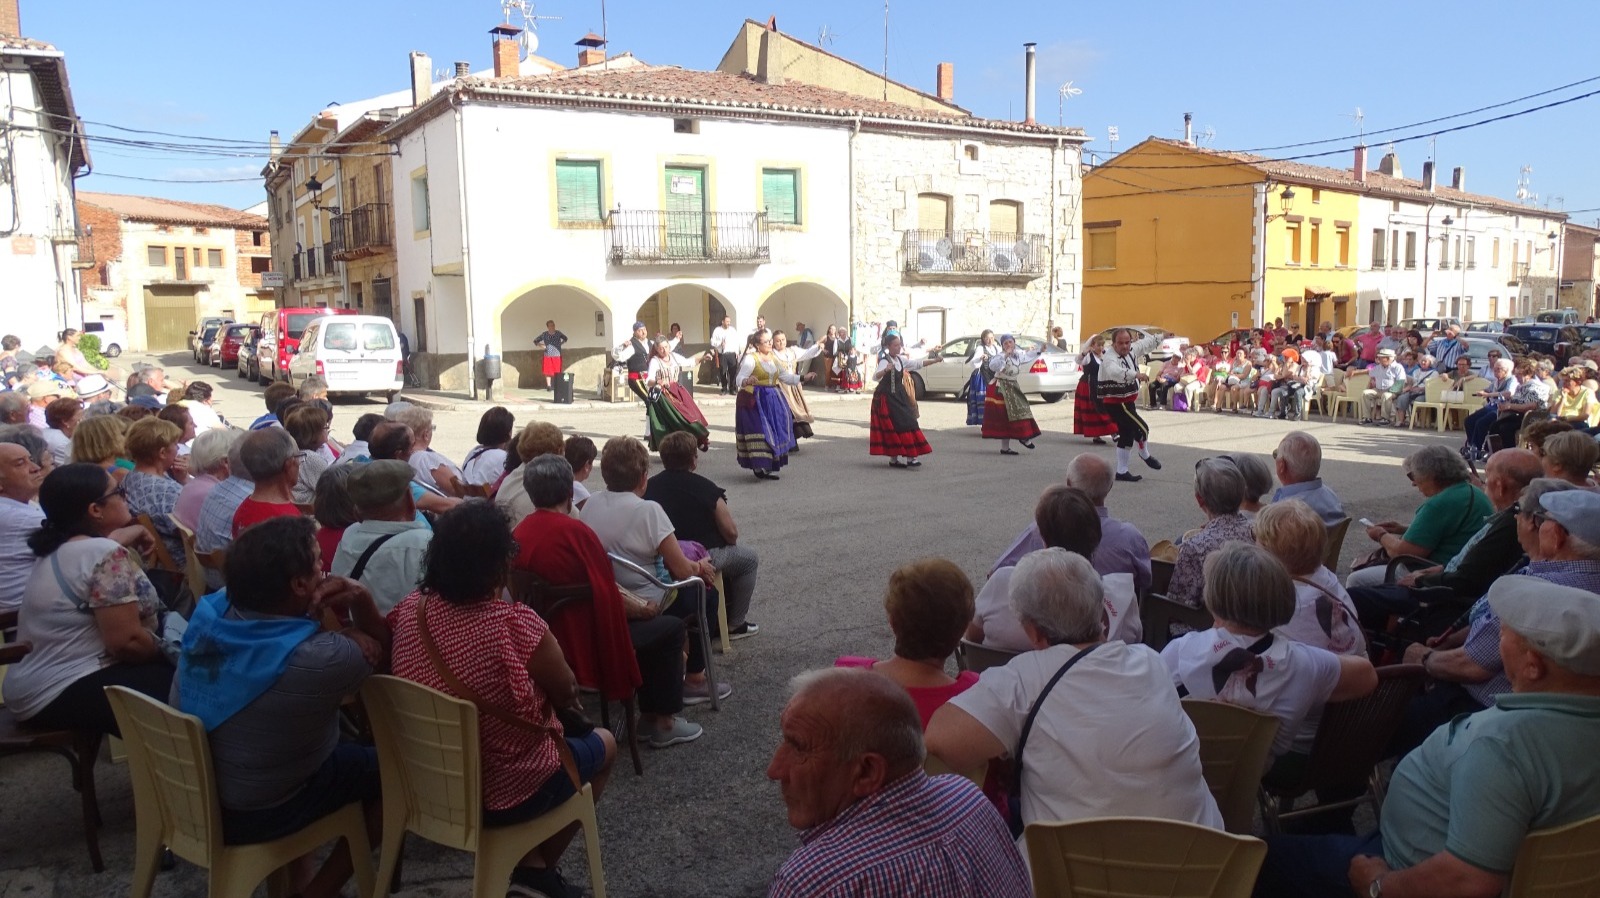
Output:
x=391 y=412
x=1502 y=363
x=1091 y=474
x=100 y=407
x=332 y=504
x=1060 y=593
x=548 y=480
x=1439 y=464
x=148 y=375
x=265 y=452
x=212 y=448
x=1218 y=485
x=311 y=386
x=1546 y=366
x=872 y=714
x=1247 y=585
x=28 y=437
x=12 y=402
x=1257 y=476
x=1301 y=454
x=415 y=417
x=236 y=466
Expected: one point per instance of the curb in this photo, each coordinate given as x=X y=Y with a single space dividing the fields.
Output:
x=444 y=402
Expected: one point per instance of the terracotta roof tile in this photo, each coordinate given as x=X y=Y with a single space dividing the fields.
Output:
x=23 y=43
x=165 y=211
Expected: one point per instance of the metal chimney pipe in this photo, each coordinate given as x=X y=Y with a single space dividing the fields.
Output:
x=1031 y=80
x=1188 y=128
x=1361 y=164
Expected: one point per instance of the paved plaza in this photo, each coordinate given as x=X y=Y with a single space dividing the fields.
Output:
x=703 y=820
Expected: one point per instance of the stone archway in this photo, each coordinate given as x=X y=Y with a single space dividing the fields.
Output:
x=693 y=307
x=577 y=313
x=804 y=302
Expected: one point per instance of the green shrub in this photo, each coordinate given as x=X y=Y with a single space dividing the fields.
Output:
x=89 y=345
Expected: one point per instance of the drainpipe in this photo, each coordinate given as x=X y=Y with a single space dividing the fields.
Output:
x=1050 y=311
x=1427 y=263
x=344 y=206
x=1258 y=286
x=855 y=128
x=466 y=261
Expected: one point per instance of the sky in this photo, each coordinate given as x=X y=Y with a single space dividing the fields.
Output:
x=1255 y=74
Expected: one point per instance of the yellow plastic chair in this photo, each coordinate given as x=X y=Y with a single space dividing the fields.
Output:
x=1354 y=386
x=1336 y=535
x=722 y=613
x=1140 y=857
x=1235 y=744
x=175 y=804
x=194 y=570
x=1469 y=403
x=433 y=786
x=977 y=657
x=1432 y=400
x=1151 y=368
x=1557 y=862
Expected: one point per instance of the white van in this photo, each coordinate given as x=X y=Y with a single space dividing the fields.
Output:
x=112 y=335
x=355 y=354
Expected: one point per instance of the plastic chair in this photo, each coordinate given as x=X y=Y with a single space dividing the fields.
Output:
x=80 y=749
x=1152 y=369
x=194 y=568
x=722 y=614
x=1469 y=403
x=1351 y=394
x=1557 y=862
x=1161 y=575
x=697 y=589
x=1157 y=614
x=530 y=589
x=1235 y=745
x=1336 y=535
x=1351 y=739
x=1432 y=400
x=1140 y=857
x=175 y=804
x=977 y=657
x=433 y=786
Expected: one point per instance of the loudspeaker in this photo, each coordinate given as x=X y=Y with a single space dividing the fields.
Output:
x=562 y=388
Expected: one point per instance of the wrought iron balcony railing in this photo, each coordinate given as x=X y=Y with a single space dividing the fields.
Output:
x=362 y=231
x=646 y=237
x=308 y=264
x=949 y=254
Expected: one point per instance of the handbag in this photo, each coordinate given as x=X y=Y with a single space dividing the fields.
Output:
x=1014 y=794
x=503 y=715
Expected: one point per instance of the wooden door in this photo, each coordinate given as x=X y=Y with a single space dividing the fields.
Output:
x=686 y=212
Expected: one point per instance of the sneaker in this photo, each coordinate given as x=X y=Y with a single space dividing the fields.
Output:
x=699 y=694
x=1383 y=422
x=1129 y=477
x=680 y=732
x=743 y=631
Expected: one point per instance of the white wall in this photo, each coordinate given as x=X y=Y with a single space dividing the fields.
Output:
x=41 y=295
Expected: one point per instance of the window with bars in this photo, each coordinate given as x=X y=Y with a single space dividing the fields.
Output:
x=1005 y=217
x=1380 y=246
x=780 y=195
x=578 y=191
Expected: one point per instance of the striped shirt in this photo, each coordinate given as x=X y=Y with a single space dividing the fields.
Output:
x=1483 y=639
x=931 y=837
x=1445 y=352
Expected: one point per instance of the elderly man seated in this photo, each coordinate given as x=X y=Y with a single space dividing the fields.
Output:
x=1110 y=737
x=1218 y=490
x=1459 y=806
x=1298 y=464
x=273 y=462
x=1452 y=510
x=870 y=821
x=1388 y=380
x=1122 y=549
x=384 y=550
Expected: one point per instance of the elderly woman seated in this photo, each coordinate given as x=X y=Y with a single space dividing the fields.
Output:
x=1575 y=403
x=1571 y=456
x=929 y=603
x=208 y=463
x=1246 y=660
x=538 y=438
x=1068 y=519
x=1324 y=614
x=1219 y=490
x=1109 y=738
x=1258 y=483
x=1452 y=510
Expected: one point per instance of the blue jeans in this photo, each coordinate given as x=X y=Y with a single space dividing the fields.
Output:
x=1312 y=866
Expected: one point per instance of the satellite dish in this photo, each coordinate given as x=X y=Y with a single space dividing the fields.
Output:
x=530 y=42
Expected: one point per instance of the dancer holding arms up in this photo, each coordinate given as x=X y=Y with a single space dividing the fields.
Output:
x=1119 y=391
x=1006 y=415
x=894 y=419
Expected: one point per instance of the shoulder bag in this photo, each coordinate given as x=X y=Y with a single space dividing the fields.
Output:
x=1014 y=794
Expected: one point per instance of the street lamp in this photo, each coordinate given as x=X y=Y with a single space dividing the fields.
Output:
x=1287 y=199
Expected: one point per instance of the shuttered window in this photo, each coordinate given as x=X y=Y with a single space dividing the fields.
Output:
x=1102 y=248
x=578 y=196
x=933 y=212
x=780 y=195
x=1005 y=217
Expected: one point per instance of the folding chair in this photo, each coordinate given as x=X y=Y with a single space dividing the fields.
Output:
x=1235 y=745
x=1336 y=535
x=697 y=594
x=977 y=657
x=1157 y=614
x=1140 y=857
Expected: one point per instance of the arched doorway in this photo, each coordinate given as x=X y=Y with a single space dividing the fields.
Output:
x=576 y=312
x=806 y=303
x=692 y=307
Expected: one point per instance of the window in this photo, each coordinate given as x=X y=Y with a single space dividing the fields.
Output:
x=933 y=212
x=970 y=151
x=1494 y=307
x=685 y=126
x=1494 y=260
x=1394 y=249
x=260 y=264
x=256 y=238
x=213 y=258
x=157 y=256
x=1380 y=243
x=197 y=257
x=1316 y=242
x=1316 y=195
x=780 y=195
x=1444 y=255
x=1411 y=250
x=1005 y=217
x=1459 y=256
x=1293 y=255
x=1344 y=247
x=578 y=196
x=1102 y=248
x=421 y=217
x=1516 y=247
x=1472 y=252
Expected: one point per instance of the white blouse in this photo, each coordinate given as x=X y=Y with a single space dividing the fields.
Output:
x=792 y=356
x=898 y=363
x=1007 y=367
x=982 y=355
x=774 y=369
x=669 y=367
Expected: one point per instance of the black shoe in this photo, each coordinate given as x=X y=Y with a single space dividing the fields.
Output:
x=895 y=463
x=1129 y=477
x=913 y=463
x=1009 y=452
x=1025 y=444
x=771 y=476
x=1100 y=442
x=1153 y=463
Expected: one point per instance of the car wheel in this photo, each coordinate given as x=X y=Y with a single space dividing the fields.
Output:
x=113 y=351
x=1052 y=397
x=918 y=388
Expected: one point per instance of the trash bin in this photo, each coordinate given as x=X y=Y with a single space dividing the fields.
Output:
x=491 y=367
x=562 y=388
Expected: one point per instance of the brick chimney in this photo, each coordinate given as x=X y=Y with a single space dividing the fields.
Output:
x=10 y=18
x=944 y=80
x=1458 y=178
x=592 y=50
x=1361 y=164
x=769 y=67
x=507 y=55
x=421 y=78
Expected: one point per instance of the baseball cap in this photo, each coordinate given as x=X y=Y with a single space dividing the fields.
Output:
x=377 y=484
x=1562 y=623
x=1577 y=511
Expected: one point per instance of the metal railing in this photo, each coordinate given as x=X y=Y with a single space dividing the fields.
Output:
x=637 y=237
x=935 y=253
x=307 y=264
x=329 y=254
x=363 y=229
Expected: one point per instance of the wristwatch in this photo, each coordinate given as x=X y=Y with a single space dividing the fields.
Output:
x=1375 y=890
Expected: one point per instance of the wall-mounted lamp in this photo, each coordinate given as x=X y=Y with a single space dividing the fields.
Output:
x=1286 y=198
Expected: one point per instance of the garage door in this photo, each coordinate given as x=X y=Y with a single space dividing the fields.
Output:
x=169 y=315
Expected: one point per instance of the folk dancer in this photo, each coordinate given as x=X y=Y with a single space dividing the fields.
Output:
x=795 y=361
x=635 y=353
x=1089 y=417
x=1006 y=415
x=1119 y=390
x=762 y=422
x=669 y=406
x=893 y=427
x=978 y=384
x=552 y=340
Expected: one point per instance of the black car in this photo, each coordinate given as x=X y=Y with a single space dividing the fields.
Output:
x=202 y=343
x=1556 y=340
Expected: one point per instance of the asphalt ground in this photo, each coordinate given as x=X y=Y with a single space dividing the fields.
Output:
x=704 y=820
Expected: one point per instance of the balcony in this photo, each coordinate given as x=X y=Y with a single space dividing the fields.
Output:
x=309 y=264
x=982 y=255
x=363 y=231
x=656 y=237
x=1519 y=272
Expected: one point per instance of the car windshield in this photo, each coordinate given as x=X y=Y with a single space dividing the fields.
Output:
x=209 y=333
x=377 y=336
x=298 y=322
x=238 y=333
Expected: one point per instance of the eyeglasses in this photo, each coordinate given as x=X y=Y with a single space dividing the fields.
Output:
x=119 y=491
x=1411 y=477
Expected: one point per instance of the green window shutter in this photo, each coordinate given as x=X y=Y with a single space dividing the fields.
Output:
x=780 y=194
x=578 y=191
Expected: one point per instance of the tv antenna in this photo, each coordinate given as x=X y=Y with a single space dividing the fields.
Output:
x=1206 y=136
x=1111 y=137
x=525 y=10
x=826 y=36
x=1360 y=117
x=1524 y=190
x=1067 y=92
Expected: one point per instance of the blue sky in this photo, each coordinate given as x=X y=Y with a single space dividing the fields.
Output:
x=1258 y=74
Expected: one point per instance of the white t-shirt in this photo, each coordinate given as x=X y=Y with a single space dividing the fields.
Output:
x=1111 y=739
x=1288 y=680
x=18 y=520
x=204 y=416
x=485 y=467
x=60 y=445
x=424 y=461
x=1324 y=621
x=580 y=494
x=632 y=527
x=1002 y=629
x=512 y=498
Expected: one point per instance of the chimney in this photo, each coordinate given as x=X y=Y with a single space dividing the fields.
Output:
x=1390 y=165
x=1427 y=176
x=10 y=19
x=421 y=78
x=1031 y=80
x=1458 y=178
x=463 y=68
x=507 y=55
x=1188 y=128
x=593 y=50
x=769 y=69
x=1361 y=164
x=274 y=145
x=944 y=80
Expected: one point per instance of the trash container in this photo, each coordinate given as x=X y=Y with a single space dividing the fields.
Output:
x=491 y=367
x=562 y=388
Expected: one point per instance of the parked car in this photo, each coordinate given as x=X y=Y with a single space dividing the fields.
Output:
x=1485 y=327
x=1427 y=327
x=1560 y=341
x=280 y=336
x=112 y=334
x=1350 y=330
x=1479 y=344
x=225 y=349
x=1171 y=343
x=1558 y=316
x=1590 y=334
x=203 y=341
x=1226 y=338
x=199 y=331
x=1052 y=375
x=246 y=363
x=355 y=354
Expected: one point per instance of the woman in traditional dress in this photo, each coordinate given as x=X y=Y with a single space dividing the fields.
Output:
x=894 y=418
x=978 y=384
x=794 y=361
x=670 y=407
x=1006 y=415
x=1089 y=419
x=763 y=424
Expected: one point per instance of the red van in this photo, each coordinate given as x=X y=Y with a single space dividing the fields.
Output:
x=280 y=337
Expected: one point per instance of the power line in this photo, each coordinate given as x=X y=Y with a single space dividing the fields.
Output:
x=101 y=174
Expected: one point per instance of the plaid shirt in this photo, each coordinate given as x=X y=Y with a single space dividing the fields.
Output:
x=928 y=837
x=216 y=514
x=1483 y=640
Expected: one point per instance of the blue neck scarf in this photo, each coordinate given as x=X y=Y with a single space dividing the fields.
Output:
x=228 y=663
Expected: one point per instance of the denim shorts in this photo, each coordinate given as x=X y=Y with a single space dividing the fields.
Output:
x=349 y=774
x=589 y=752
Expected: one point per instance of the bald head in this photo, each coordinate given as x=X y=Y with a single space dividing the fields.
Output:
x=1091 y=474
x=1508 y=473
x=870 y=713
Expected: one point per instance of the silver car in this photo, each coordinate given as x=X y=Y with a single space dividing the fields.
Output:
x=1053 y=375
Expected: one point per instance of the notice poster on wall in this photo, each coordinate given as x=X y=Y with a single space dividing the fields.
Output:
x=683 y=185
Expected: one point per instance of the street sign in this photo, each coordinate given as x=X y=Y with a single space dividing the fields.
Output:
x=272 y=279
